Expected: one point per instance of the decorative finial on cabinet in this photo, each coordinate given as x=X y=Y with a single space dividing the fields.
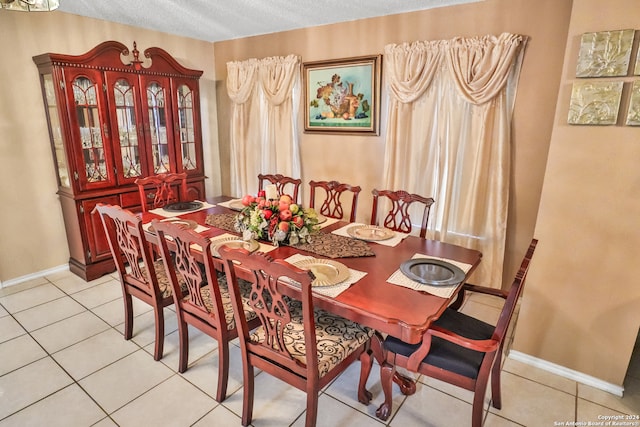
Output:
x=137 y=64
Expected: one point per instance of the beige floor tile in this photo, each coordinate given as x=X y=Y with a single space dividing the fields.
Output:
x=452 y=390
x=483 y=312
x=144 y=327
x=121 y=382
x=589 y=412
x=275 y=402
x=68 y=407
x=19 y=352
x=174 y=402
x=332 y=412
x=69 y=331
x=220 y=416
x=29 y=384
x=70 y=283
x=48 y=313
x=99 y=294
x=105 y=422
x=3 y=312
x=529 y=403
x=200 y=344
x=494 y=420
x=430 y=407
x=10 y=329
x=112 y=312
x=96 y=352
x=345 y=389
x=485 y=299
x=628 y=404
x=31 y=297
x=539 y=375
x=203 y=373
x=27 y=284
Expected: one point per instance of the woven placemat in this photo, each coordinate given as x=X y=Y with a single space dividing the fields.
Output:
x=325 y=244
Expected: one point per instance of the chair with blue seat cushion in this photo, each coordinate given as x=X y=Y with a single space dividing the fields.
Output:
x=457 y=348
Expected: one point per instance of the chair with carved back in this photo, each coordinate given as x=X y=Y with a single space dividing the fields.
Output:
x=282 y=183
x=398 y=217
x=331 y=206
x=160 y=190
x=285 y=345
x=207 y=305
x=140 y=276
x=457 y=348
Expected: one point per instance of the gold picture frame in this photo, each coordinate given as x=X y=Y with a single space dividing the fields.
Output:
x=342 y=96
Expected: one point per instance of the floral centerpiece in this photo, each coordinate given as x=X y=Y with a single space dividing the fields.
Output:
x=280 y=221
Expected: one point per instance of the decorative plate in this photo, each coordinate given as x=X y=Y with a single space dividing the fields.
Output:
x=370 y=233
x=432 y=272
x=234 y=243
x=187 y=223
x=328 y=272
x=183 y=206
x=236 y=205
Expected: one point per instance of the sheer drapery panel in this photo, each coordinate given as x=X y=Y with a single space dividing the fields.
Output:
x=263 y=135
x=448 y=137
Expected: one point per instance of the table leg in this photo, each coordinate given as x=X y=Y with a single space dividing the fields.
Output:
x=388 y=375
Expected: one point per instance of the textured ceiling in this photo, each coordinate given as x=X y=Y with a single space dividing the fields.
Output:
x=214 y=20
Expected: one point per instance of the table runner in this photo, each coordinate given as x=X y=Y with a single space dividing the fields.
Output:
x=325 y=244
x=398 y=278
x=330 y=291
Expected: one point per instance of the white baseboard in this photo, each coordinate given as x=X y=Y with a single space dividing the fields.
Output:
x=36 y=275
x=567 y=373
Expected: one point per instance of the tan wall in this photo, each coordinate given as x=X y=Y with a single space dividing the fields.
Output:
x=582 y=304
x=358 y=159
x=32 y=231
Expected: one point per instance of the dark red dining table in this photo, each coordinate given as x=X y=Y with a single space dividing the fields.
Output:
x=372 y=301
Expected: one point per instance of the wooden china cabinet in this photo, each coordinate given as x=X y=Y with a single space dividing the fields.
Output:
x=112 y=120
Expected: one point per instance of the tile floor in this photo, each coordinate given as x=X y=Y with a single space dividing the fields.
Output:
x=64 y=362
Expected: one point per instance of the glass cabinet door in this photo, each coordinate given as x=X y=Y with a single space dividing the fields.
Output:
x=88 y=124
x=55 y=129
x=159 y=126
x=123 y=95
x=188 y=129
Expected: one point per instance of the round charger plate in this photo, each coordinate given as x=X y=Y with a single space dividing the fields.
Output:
x=234 y=243
x=370 y=233
x=328 y=272
x=187 y=223
x=236 y=205
x=432 y=272
x=183 y=206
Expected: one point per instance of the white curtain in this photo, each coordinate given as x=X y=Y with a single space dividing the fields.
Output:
x=448 y=137
x=263 y=134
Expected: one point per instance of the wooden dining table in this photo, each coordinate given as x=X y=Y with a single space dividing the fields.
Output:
x=371 y=301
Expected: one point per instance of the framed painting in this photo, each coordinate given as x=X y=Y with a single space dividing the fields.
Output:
x=343 y=95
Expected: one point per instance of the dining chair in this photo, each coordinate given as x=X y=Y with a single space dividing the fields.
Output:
x=162 y=189
x=303 y=346
x=282 y=183
x=331 y=206
x=207 y=305
x=398 y=218
x=140 y=276
x=458 y=349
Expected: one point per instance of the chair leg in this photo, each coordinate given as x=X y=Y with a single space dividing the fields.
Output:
x=366 y=362
x=159 y=347
x=247 y=396
x=387 y=372
x=496 y=394
x=312 y=409
x=128 y=316
x=183 y=336
x=223 y=369
x=479 y=393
